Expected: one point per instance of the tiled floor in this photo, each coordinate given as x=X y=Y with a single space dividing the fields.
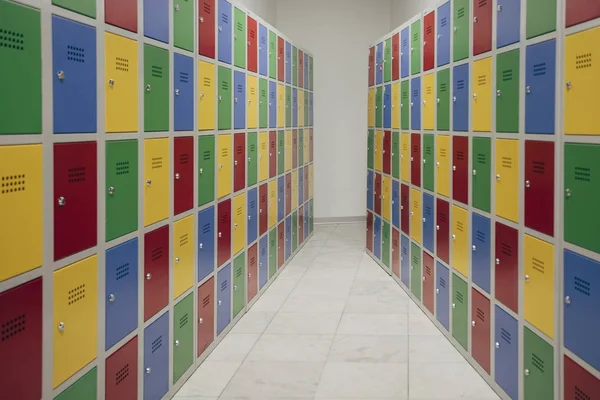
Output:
x=335 y=326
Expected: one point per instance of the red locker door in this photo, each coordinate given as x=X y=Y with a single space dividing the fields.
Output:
x=239 y=164
x=280 y=244
x=507 y=266
x=121 y=372
x=442 y=230
x=579 y=383
x=539 y=186
x=224 y=232
x=288 y=194
x=21 y=345
x=272 y=154
x=156 y=271
x=395 y=251
x=482 y=26
x=429 y=41
x=263 y=209
x=415 y=159
x=387 y=152
x=280 y=59
x=579 y=11
x=460 y=169
x=395 y=57
x=121 y=13
x=306 y=183
x=312 y=147
x=405 y=208
x=206 y=315
x=183 y=187
x=206 y=28
x=75 y=198
x=377 y=194
x=428 y=281
x=252 y=272
x=371 y=67
x=369 y=230
x=301 y=225
x=252 y=45
x=301 y=69
x=480 y=329
x=295 y=149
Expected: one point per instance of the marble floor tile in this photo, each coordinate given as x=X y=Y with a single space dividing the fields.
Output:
x=234 y=347
x=300 y=348
x=370 y=349
x=373 y=324
x=209 y=379
x=253 y=322
x=304 y=323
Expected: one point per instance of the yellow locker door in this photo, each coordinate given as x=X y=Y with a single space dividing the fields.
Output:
x=300 y=107
x=206 y=96
x=415 y=215
x=156 y=180
x=507 y=179
x=280 y=106
x=21 y=232
x=272 y=203
x=429 y=101
x=378 y=150
x=405 y=157
x=582 y=83
x=263 y=156
x=460 y=240
x=75 y=318
x=239 y=222
x=386 y=198
x=288 y=150
x=482 y=95
x=183 y=255
x=224 y=165
x=252 y=102
x=311 y=181
x=306 y=146
x=395 y=106
x=121 y=65
x=294 y=189
x=442 y=163
x=539 y=284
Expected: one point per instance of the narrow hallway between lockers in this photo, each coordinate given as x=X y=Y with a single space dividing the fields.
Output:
x=334 y=325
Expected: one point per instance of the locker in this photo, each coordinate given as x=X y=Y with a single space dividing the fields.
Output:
x=252 y=199
x=301 y=187
x=263 y=164
x=224 y=161
x=370 y=189
x=405 y=163
x=404 y=105
x=429 y=39
x=272 y=55
x=395 y=199
x=428 y=223
x=294 y=232
x=442 y=165
x=288 y=193
x=482 y=170
x=507 y=92
x=378 y=66
x=376 y=236
x=156 y=358
x=415 y=215
x=395 y=57
x=280 y=59
x=311 y=174
x=442 y=292
x=415 y=47
x=415 y=103
x=183 y=81
x=405 y=261
x=540 y=17
x=415 y=270
x=428 y=162
x=75 y=308
x=156 y=94
x=443 y=34
x=281 y=196
x=378 y=107
x=288 y=237
x=252 y=153
x=87 y=8
x=428 y=282
x=121 y=372
x=578 y=382
x=482 y=93
x=507 y=266
x=294 y=192
x=156 y=178
x=272 y=203
x=122 y=14
x=307 y=184
x=224 y=28
x=507 y=179
x=301 y=106
x=443 y=100
x=206 y=169
x=462 y=21
x=539 y=284
x=156 y=271
x=404 y=53
x=539 y=186
x=481 y=251
x=395 y=110
x=538 y=363
x=460 y=311
x=239 y=162
x=239 y=38
x=387 y=60
x=183 y=188
x=461 y=97
x=460 y=169
x=301 y=68
x=85 y=387
x=73 y=113
x=240 y=215
x=183 y=22
x=442 y=211
x=480 y=329
x=183 y=336
x=396 y=153
x=207 y=99
x=272 y=252
x=263 y=207
x=370 y=108
x=428 y=101
x=206 y=28
x=371 y=68
x=387 y=106
x=239 y=284
x=405 y=209
x=121 y=70
x=239 y=100
x=377 y=193
x=311 y=111
x=223 y=232
x=294 y=66
x=280 y=245
x=460 y=240
x=506 y=353
x=21 y=369
x=288 y=62
x=378 y=150
x=581 y=11
x=301 y=160
x=386 y=152
x=121 y=298
x=288 y=107
x=386 y=198
x=263 y=50
x=75 y=191
x=223 y=298
x=508 y=22
x=281 y=106
x=540 y=90
x=183 y=255
x=263 y=104
x=263 y=261
x=295 y=149
x=225 y=98
x=482 y=27
x=370 y=230
x=294 y=107
x=252 y=283
x=396 y=253
x=206 y=242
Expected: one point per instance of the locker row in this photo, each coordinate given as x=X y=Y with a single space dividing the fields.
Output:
x=240 y=99
x=221 y=297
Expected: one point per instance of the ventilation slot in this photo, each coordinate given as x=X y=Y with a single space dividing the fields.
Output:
x=443 y=153
x=460 y=13
x=122 y=374
x=12 y=40
x=481 y=236
x=583 y=174
x=460 y=298
x=538 y=265
x=444 y=22
x=240 y=88
x=184 y=77
x=225 y=18
x=443 y=283
x=415 y=94
x=263 y=251
x=76 y=294
x=206 y=228
x=183 y=320
x=225 y=219
x=537 y=362
x=429 y=30
x=443 y=88
x=428 y=150
x=539 y=167
x=415 y=37
x=157 y=71
x=13 y=184
x=428 y=270
x=184 y=159
x=224 y=283
x=206 y=301
x=506 y=249
x=122 y=271
x=443 y=218
x=482 y=3
x=460 y=155
x=76 y=54
x=404 y=43
x=13 y=327
x=505 y=335
x=459 y=226
x=428 y=210
x=76 y=174
x=580 y=394
x=481 y=158
x=207 y=8
x=396 y=47
x=583 y=60
x=122 y=168
x=207 y=155
x=239 y=272
x=507 y=75
x=183 y=240
x=239 y=211
x=481 y=315
x=156 y=344
x=507 y=162
x=481 y=80
x=225 y=86
x=428 y=90
x=582 y=286
x=239 y=27
x=460 y=84
x=225 y=152
x=157 y=253
x=157 y=163
x=122 y=64
x=415 y=260
x=539 y=69
x=207 y=82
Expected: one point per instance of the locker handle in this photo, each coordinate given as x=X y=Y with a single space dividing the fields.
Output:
x=475 y=19
x=437 y=291
x=474 y=95
x=497 y=261
x=474 y=248
x=148 y=370
x=439 y=37
x=454 y=168
x=528 y=89
x=61 y=326
x=568 y=192
x=526 y=372
x=220 y=98
x=455 y=29
x=498 y=93
x=453 y=237
x=111 y=82
x=201 y=95
x=424 y=44
x=472 y=323
x=527 y=184
x=62 y=201
x=177 y=343
x=235 y=225
x=148 y=276
x=61 y=75
x=454 y=99
x=176 y=7
x=235 y=288
x=568 y=300
x=176 y=259
x=438 y=100
x=453 y=305
x=235 y=99
x=219 y=302
x=437 y=164
x=437 y=227
x=474 y=172
x=201 y=170
x=497 y=177
x=176 y=92
x=111 y=298
x=423 y=279
x=424 y=219
x=220 y=28
x=219 y=234
x=569 y=85
x=497 y=345
x=499 y=7
x=111 y=190
x=177 y=176
x=527 y=278
x=201 y=19
x=148 y=88
x=149 y=182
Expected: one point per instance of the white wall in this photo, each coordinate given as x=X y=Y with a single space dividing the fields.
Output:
x=403 y=10
x=266 y=9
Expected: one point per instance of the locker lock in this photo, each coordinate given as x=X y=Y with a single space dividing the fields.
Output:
x=176 y=7
x=62 y=201
x=527 y=184
x=176 y=92
x=438 y=101
x=61 y=75
x=439 y=37
x=148 y=88
x=235 y=225
x=201 y=170
x=497 y=261
x=234 y=288
x=111 y=190
x=148 y=276
x=177 y=259
x=201 y=245
x=453 y=237
x=423 y=279
x=474 y=248
x=474 y=172
x=149 y=182
x=475 y=19
x=219 y=302
x=220 y=28
x=201 y=95
x=219 y=234
x=437 y=291
x=249 y=217
x=61 y=326
x=111 y=298
x=499 y=7
x=497 y=177
x=177 y=343
x=424 y=161
x=528 y=89
x=235 y=99
x=498 y=93
x=569 y=85
x=497 y=345
x=568 y=300
x=424 y=219
x=453 y=305
x=437 y=164
x=235 y=163
x=454 y=99
x=474 y=95
x=111 y=82
x=526 y=372
x=177 y=176
x=148 y=370
x=455 y=29
x=472 y=323
x=568 y=192
x=527 y=278
x=454 y=168
x=201 y=19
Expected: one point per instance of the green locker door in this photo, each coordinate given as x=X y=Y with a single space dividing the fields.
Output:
x=252 y=147
x=183 y=336
x=310 y=73
x=206 y=169
x=272 y=55
x=288 y=106
x=85 y=387
x=263 y=104
x=387 y=61
x=538 y=361
x=306 y=109
x=386 y=243
x=311 y=222
x=224 y=98
x=280 y=152
x=294 y=66
x=482 y=170
x=84 y=7
x=272 y=252
x=541 y=17
x=395 y=154
x=415 y=47
x=415 y=270
x=239 y=284
x=507 y=92
x=20 y=70
x=370 y=148
x=294 y=231
x=239 y=38
x=443 y=100
x=428 y=161
x=121 y=188
x=462 y=21
x=460 y=311
x=404 y=105
x=156 y=95
x=379 y=107
x=183 y=23
x=300 y=147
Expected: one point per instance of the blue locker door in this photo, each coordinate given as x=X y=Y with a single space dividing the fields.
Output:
x=263 y=50
x=184 y=92
x=428 y=222
x=239 y=100
x=288 y=62
x=294 y=107
x=404 y=53
x=156 y=20
x=379 y=64
x=121 y=291
x=306 y=220
x=540 y=66
x=460 y=87
x=387 y=106
x=224 y=31
x=306 y=78
x=280 y=198
x=272 y=104
x=481 y=251
x=288 y=237
x=443 y=34
x=415 y=103
x=252 y=198
x=377 y=237
x=311 y=109
x=263 y=261
x=508 y=25
x=206 y=242
x=506 y=337
x=395 y=200
x=74 y=77
x=405 y=261
x=442 y=295
x=301 y=186
x=156 y=358
x=223 y=298
x=582 y=314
